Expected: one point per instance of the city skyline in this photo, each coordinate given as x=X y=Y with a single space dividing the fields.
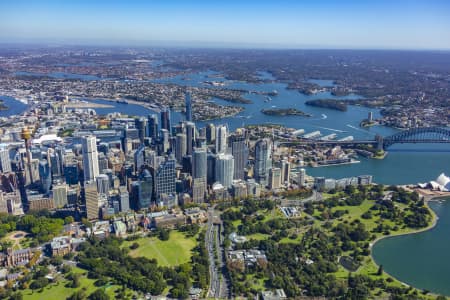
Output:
x=263 y=24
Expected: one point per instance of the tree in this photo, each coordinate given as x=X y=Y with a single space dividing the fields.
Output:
x=78 y=295
x=68 y=220
x=99 y=294
x=380 y=270
x=134 y=246
x=164 y=234
x=16 y=296
x=39 y=283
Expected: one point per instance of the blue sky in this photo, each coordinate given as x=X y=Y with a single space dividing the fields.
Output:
x=385 y=24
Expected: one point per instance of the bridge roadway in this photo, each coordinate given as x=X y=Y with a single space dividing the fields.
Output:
x=328 y=143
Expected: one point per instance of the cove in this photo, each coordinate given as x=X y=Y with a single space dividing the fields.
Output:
x=421 y=259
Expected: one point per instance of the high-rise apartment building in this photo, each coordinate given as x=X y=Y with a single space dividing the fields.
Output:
x=263 y=161
x=225 y=169
x=221 y=139
x=239 y=150
x=90 y=158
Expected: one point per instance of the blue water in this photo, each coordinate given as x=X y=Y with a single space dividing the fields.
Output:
x=406 y=166
x=131 y=110
x=15 y=107
x=421 y=260
x=61 y=75
x=327 y=121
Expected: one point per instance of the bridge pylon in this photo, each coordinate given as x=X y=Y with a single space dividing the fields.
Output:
x=380 y=142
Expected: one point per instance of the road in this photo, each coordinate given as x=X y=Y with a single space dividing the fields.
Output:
x=218 y=287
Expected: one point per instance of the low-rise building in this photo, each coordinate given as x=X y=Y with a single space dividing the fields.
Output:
x=13 y=258
x=196 y=215
x=62 y=245
x=169 y=220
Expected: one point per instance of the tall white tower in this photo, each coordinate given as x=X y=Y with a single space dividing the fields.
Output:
x=225 y=169
x=221 y=139
x=90 y=158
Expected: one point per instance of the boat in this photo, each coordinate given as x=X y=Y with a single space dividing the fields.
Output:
x=122 y=101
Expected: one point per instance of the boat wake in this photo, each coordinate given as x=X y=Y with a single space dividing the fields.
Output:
x=331 y=129
x=359 y=129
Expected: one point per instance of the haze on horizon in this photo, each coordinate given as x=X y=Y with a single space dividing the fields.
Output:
x=382 y=24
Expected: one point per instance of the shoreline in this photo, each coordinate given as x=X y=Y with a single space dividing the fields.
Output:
x=338 y=164
x=435 y=219
x=152 y=107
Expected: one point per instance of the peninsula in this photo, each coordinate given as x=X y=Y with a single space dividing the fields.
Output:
x=328 y=103
x=285 y=112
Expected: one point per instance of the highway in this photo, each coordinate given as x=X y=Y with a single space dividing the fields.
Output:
x=218 y=287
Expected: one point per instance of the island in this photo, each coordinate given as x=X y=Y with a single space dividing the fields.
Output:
x=3 y=106
x=285 y=112
x=328 y=103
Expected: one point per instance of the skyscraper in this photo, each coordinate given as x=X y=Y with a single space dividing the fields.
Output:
x=199 y=163
x=91 y=200
x=221 y=139
x=5 y=161
x=275 y=178
x=301 y=179
x=124 y=199
x=211 y=168
x=153 y=126
x=188 y=102
x=139 y=158
x=59 y=195
x=141 y=126
x=165 y=119
x=90 y=158
x=263 y=160
x=225 y=169
x=181 y=146
x=165 y=178
x=145 y=189
x=71 y=173
x=55 y=165
x=45 y=176
x=190 y=137
x=239 y=150
x=210 y=133
x=285 y=171
x=199 y=190
x=165 y=140
x=103 y=184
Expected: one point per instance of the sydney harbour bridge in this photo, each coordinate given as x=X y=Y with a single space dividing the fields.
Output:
x=412 y=136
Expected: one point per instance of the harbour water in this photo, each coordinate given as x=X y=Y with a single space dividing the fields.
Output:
x=420 y=259
x=14 y=106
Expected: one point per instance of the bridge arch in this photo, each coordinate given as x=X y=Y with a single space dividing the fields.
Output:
x=418 y=135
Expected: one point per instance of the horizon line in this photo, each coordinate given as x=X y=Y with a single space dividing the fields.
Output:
x=209 y=45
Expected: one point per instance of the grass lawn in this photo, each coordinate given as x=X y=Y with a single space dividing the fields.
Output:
x=258 y=236
x=18 y=239
x=58 y=290
x=173 y=252
x=236 y=223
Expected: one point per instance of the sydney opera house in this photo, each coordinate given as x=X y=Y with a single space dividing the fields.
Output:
x=442 y=183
